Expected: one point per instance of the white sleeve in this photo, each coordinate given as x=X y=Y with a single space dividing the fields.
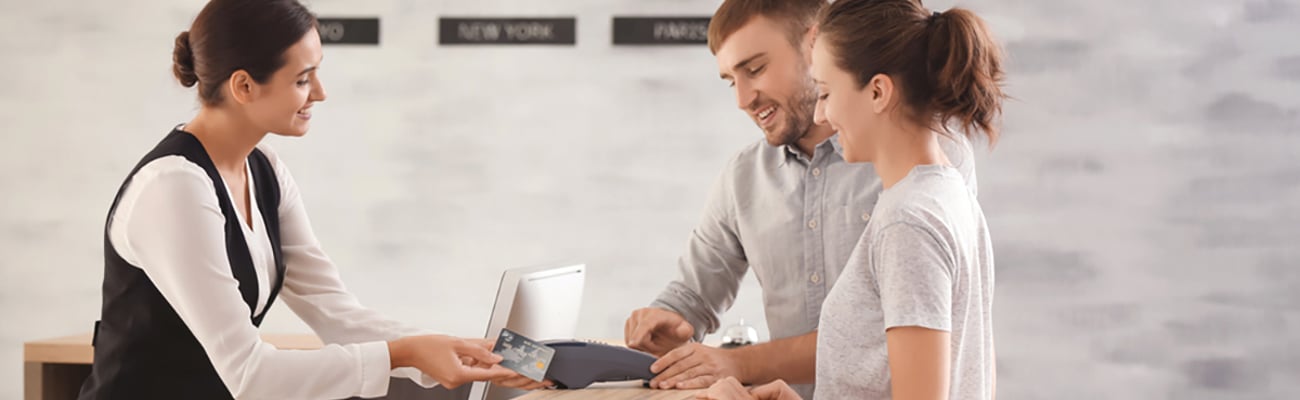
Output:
x=171 y=226
x=314 y=291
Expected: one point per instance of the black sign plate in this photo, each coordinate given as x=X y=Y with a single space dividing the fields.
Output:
x=507 y=31
x=364 y=31
x=661 y=30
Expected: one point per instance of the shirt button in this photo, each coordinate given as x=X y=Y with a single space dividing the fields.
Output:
x=866 y=216
x=812 y=224
x=817 y=171
x=815 y=278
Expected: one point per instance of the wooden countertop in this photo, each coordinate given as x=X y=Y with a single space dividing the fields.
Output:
x=76 y=349
x=611 y=391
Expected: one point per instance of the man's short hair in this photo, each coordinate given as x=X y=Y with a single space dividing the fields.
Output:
x=796 y=15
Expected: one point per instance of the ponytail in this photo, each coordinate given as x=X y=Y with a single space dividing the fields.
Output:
x=947 y=64
x=965 y=67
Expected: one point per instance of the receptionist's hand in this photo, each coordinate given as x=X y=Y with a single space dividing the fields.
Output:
x=516 y=380
x=522 y=382
x=449 y=360
x=656 y=331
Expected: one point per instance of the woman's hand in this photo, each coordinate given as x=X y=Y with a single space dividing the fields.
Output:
x=515 y=381
x=731 y=389
x=449 y=360
x=777 y=390
x=522 y=382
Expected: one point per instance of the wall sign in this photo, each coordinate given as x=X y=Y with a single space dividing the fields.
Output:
x=363 y=31
x=507 y=31
x=661 y=30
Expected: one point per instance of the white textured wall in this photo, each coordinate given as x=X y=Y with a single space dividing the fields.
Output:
x=1145 y=200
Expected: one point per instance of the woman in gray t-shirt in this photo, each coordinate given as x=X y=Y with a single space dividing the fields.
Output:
x=911 y=315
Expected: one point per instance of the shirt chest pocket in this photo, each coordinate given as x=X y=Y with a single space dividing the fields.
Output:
x=845 y=224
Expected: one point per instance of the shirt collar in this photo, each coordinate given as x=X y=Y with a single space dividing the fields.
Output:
x=792 y=152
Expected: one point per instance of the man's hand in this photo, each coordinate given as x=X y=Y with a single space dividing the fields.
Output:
x=694 y=366
x=656 y=330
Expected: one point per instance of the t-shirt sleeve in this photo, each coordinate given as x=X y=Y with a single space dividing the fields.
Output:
x=914 y=277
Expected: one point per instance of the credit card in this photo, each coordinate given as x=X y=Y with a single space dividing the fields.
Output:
x=523 y=355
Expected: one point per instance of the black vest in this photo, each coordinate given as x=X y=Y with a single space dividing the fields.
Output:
x=142 y=348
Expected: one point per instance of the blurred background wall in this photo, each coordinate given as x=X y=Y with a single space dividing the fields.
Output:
x=1145 y=199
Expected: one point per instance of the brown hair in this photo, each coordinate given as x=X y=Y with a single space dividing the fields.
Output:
x=947 y=65
x=796 y=15
x=233 y=35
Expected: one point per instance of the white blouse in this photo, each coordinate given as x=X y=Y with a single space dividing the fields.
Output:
x=169 y=224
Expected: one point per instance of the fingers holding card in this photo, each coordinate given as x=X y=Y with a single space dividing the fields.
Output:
x=523 y=355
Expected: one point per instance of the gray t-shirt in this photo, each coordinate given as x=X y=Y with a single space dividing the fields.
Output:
x=925 y=260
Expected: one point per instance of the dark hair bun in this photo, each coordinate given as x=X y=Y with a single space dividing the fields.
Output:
x=183 y=61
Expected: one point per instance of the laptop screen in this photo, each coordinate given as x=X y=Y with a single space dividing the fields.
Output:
x=541 y=303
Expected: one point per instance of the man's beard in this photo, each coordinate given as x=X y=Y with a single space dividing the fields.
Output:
x=799 y=118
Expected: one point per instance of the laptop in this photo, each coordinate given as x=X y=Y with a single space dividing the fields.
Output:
x=541 y=302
